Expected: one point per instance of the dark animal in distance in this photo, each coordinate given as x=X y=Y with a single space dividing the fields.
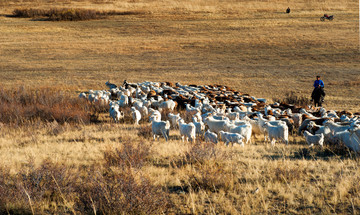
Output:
x=330 y=18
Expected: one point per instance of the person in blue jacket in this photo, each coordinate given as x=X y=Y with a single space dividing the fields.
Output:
x=318 y=93
x=318 y=82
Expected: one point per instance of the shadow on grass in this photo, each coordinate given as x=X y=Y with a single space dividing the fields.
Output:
x=316 y=153
x=178 y=189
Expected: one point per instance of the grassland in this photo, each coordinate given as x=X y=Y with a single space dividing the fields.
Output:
x=193 y=179
x=252 y=46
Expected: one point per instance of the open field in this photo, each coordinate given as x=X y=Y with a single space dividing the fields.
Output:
x=252 y=46
x=193 y=179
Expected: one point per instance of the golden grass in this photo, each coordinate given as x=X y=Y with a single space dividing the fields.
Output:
x=252 y=46
x=203 y=179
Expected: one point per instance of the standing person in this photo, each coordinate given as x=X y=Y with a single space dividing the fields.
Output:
x=318 y=93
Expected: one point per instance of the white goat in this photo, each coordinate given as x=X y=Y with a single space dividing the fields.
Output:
x=138 y=105
x=82 y=96
x=335 y=128
x=174 y=118
x=350 y=139
x=144 y=111
x=344 y=118
x=187 y=130
x=232 y=115
x=216 y=125
x=316 y=129
x=136 y=115
x=198 y=117
x=211 y=137
x=192 y=110
x=160 y=128
x=277 y=132
x=200 y=127
x=115 y=113
x=244 y=130
x=167 y=105
x=154 y=114
x=231 y=138
x=311 y=139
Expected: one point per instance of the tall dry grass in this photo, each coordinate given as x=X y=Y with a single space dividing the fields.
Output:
x=56 y=188
x=68 y=14
x=21 y=105
x=111 y=168
x=27 y=105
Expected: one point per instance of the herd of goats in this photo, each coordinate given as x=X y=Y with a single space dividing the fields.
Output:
x=217 y=112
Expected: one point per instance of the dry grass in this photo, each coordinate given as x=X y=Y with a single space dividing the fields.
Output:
x=252 y=46
x=292 y=98
x=26 y=105
x=94 y=165
x=23 y=105
x=67 y=14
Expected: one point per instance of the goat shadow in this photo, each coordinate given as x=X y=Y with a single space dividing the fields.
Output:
x=317 y=153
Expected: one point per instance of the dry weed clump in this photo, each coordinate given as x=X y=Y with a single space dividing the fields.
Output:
x=292 y=98
x=202 y=152
x=120 y=187
x=29 y=13
x=330 y=150
x=145 y=131
x=68 y=14
x=23 y=105
x=32 y=189
x=208 y=168
x=130 y=155
x=54 y=188
x=211 y=176
x=121 y=192
x=55 y=129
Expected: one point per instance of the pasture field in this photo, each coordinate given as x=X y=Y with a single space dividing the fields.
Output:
x=252 y=46
x=91 y=169
x=105 y=168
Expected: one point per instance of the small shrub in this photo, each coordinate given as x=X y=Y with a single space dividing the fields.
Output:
x=72 y=14
x=22 y=105
x=28 y=190
x=211 y=177
x=120 y=187
x=292 y=98
x=55 y=129
x=29 y=13
x=130 y=155
x=54 y=188
x=9 y=196
x=201 y=152
x=338 y=149
x=120 y=192
x=145 y=131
